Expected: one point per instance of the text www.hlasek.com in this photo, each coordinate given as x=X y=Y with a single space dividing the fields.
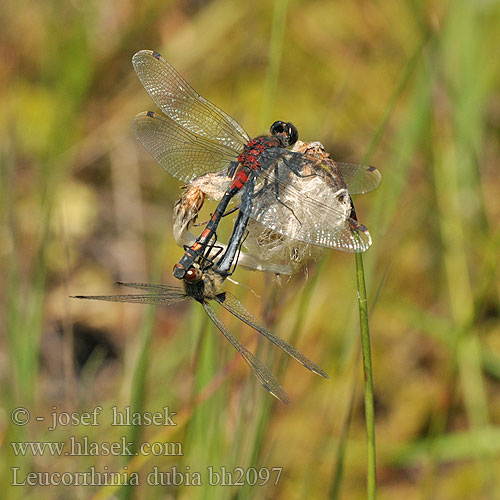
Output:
x=86 y=447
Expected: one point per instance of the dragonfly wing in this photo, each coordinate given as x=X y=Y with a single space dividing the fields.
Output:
x=360 y=179
x=234 y=306
x=182 y=104
x=261 y=371
x=179 y=151
x=309 y=208
x=154 y=287
x=147 y=298
x=161 y=294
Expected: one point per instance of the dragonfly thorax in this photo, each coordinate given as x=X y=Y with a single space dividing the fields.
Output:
x=283 y=135
x=206 y=285
x=251 y=154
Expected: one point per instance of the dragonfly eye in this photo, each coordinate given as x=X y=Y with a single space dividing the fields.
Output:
x=277 y=128
x=192 y=275
x=286 y=130
x=292 y=133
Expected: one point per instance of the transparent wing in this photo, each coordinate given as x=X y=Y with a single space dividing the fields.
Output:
x=234 y=306
x=179 y=151
x=303 y=218
x=359 y=179
x=313 y=208
x=154 y=287
x=161 y=294
x=182 y=104
x=261 y=371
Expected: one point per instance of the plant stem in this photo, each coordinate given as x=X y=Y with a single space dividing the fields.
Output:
x=367 y=369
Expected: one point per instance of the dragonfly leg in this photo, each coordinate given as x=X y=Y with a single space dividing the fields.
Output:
x=198 y=224
x=208 y=259
x=231 y=211
x=296 y=171
x=277 y=194
x=353 y=211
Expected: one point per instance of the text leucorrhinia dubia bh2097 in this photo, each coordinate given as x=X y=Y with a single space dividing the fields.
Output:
x=206 y=285
x=195 y=137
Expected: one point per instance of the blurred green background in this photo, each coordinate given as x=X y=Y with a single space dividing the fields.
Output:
x=410 y=87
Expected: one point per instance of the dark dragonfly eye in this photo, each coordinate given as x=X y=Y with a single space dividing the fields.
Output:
x=277 y=127
x=192 y=275
x=293 y=134
x=286 y=130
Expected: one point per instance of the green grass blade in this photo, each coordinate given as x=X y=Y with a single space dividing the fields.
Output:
x=368 y=377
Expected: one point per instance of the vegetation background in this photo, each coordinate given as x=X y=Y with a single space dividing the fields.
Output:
x=411 y=87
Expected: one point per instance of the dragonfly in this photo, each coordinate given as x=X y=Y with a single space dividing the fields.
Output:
x=186 y=212
x=194 y=137
x=267 y=250
x=204 y=286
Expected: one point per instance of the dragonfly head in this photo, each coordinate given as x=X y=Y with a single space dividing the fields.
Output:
x=286 y=131
x=193 y=275
x=202 y=285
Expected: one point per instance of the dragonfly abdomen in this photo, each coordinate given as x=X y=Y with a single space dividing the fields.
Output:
x=193 y=252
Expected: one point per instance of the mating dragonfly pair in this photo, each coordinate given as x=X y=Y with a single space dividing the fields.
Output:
x=297 y=197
